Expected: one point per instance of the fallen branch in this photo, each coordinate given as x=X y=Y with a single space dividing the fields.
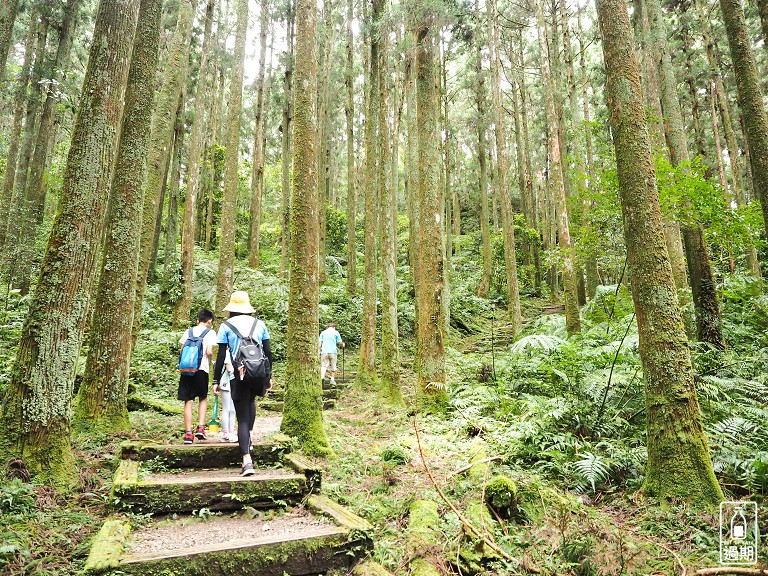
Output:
x=472 y=464
x=732 y=570
x=453 y=508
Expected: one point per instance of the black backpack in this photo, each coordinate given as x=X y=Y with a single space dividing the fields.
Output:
x=249 y=361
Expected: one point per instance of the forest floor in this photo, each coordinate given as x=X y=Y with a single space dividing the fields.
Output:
x=566 y=518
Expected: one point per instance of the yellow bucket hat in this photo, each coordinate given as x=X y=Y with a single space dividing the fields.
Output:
x=239 y=302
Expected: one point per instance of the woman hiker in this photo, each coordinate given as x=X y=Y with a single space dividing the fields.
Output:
x=243 y=326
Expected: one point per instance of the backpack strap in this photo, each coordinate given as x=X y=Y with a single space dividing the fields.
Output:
x=255 y=323
x=235 y=330
x=191 y=334
x=204 y=332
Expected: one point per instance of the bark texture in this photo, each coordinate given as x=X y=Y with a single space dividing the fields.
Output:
x=302 y=412
x=37 y=403
x=480 y=96
x=349 y=111
x=8 y=10
x=679 y=465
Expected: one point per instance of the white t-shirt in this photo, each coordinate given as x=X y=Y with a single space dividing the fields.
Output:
x=208 y=343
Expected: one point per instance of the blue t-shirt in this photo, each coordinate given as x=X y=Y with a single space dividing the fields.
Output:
x=328 y=340
x=243 y=324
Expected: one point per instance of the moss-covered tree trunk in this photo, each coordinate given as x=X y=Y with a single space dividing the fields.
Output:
x=679 y=465
x=257 y=168
x=101 y=401
x=349 y=111
x=762 y=8
x=172 y=219
x=181 y=311
x=573 y=322
x=701 y=277
x=36 y=405
x=171 y=84
x=286 y=139
x=389 y=383
x=431 y=328
x=750 y=98
x=302 y=413
x=412 y=175
x=8 y=10
x=324 y=132
x=366 y=370
x=20 y=98
x=480 y=100
x=502 y=184
x=35 y=192
x=226 y=270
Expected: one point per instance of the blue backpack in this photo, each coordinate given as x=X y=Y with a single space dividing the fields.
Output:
x=192 y=353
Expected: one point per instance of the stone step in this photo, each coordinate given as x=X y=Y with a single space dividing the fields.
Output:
x=207 y=453
x=276 y=406
x=140 y=490
x=329 y=538
x=329 y=394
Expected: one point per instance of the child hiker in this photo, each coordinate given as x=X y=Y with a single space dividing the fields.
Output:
x=330 y=339
x=227 y=406
x=247 y=339
x=194 y=364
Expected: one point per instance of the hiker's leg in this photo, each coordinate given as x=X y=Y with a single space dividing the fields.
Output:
x=202 y=409
x=188 y=415
x=252 y=408
x=333 y=367
x=227 y=410
x=243 y=424
x=323 y=367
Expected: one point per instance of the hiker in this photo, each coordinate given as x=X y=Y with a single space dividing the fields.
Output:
x=194 y=364
x=330 y=340
x=247 y=339
x=227 y=406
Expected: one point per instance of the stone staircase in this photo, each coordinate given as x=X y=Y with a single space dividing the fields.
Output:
x=185 y=510
x=273 y=402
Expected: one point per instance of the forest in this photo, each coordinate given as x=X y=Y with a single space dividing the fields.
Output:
x=538 y=226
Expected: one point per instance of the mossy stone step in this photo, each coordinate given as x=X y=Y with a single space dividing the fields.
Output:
x=329 y=394
x=276 y=406
x=338 y=544
x=206 y=453
x=214 y=490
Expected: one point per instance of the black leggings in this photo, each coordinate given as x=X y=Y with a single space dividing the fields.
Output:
x=245 y=410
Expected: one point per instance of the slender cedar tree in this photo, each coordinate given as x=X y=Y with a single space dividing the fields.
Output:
x=412 y=155
x=431 y=329
x=366 y=370
x=349 y=111
x=181 y=313
x=18 y=115
x=101 y=401
x=160 y=142
x=229 y=199
x=286 y=153
x=557 y=184
x=324 y=132
x=170 y=260
x=257 y=168
x=679 y=464
x=35 y=192
x=37 y=403
x=750 y=98
x=8 y=10
x=480 y=97
x=389 y=384
x=708 y=323
x=302 y=414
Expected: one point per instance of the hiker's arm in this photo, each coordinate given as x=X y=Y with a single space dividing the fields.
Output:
x=220 y=358
x=267 y=350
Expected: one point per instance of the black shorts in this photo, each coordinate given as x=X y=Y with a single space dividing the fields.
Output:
x=195 y=386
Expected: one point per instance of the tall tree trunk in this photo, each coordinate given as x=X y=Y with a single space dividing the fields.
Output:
x=159 y=213
x=35 y=192
x=37 y=402
x=708 y=323
x=163 y=119
x=181 y=313
x=101 y=401
x=349 y=111
x=18 y=115
x=573 y=322
x=412 y=177
x=172 y=220
x=753 y=112
x=324 y=136
x=508 y=216
x=226 y=274
x=366 y=371
x=286 y=159
x=8 y=10
x=480 y=95
x=257 y=170
x=389 y=384
x=302 y=415
x=431 y=327
x=679 y=465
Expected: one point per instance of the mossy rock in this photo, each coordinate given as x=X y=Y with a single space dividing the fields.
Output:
x=501 y=495
x=396 y=455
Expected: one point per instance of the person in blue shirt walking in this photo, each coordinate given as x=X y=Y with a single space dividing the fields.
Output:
x=243 y=393
x=330 y=341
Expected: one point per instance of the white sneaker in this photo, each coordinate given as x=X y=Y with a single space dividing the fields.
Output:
x=333 y=381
